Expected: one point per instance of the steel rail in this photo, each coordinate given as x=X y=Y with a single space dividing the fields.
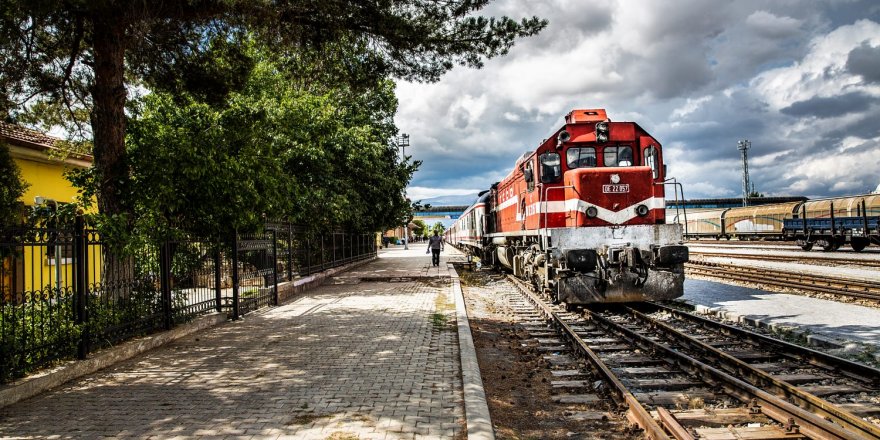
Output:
x=764 y=380
x=852 y=261
x=786 y=279
x=846 y=367
x=636 y=413
x=776 y=408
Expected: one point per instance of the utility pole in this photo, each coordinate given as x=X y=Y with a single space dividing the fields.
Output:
x=743 y=147
x=403 y=142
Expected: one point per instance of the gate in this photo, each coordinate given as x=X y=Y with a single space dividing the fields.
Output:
x=254 y=273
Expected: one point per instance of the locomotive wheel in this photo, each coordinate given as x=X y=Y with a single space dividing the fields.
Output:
x=806 y=245
x=827 y=246
x=858 y=244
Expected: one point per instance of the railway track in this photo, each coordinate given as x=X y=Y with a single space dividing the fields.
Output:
x=573 y=382
x=680 y=382
x=785 y=258
x=861 y=289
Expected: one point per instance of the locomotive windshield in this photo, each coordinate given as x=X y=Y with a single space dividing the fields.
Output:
x=621 y=156
x=584 y=157
x=551 y=168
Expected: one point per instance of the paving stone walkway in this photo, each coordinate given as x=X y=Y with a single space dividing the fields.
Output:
x=352 y=359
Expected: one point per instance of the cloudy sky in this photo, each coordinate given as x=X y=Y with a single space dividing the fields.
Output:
x=799 y=79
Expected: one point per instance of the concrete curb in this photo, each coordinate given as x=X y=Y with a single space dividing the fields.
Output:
x=33 y=385
x=476 y=409
x=812 y=340
x=36 y=384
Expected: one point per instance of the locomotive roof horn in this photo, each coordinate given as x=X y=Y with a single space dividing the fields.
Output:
x=562 y=138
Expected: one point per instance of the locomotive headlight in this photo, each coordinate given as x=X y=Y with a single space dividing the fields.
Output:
x=602 y=131
x=592 y=212
x=642 y=210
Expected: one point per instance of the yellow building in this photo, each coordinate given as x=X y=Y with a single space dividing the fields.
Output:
x=42 y=167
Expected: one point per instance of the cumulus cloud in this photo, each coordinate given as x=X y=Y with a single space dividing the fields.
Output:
x=798 y=78
x=865 y=62
x=826 y=107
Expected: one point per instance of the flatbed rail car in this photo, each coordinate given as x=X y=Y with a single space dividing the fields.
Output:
x=832 y=223
x=829 y=223
x=582 y=216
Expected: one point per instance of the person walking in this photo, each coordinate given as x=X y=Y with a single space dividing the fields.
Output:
x=435 y=245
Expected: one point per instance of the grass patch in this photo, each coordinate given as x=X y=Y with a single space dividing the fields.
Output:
x=438 y=320
x=442 y=306
x=305 y=419
x=469 y=277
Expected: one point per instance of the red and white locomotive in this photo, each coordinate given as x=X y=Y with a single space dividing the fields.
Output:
x=582 y=217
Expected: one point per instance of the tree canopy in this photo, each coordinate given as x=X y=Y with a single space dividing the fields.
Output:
x=12 y=187
x=86 y=57
x=274 y=149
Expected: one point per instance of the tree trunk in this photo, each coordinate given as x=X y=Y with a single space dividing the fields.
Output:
x=108 y=131
x=108 y=112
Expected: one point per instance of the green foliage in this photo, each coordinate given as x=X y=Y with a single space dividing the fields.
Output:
x=12 y=188
x=53 y=335
x=276 y=149
x=421 y=229
x=438 y=228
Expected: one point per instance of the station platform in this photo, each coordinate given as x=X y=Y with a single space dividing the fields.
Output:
x=371 y=354
x=822 y=322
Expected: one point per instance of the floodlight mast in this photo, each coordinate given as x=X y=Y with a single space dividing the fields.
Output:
x=743 y=147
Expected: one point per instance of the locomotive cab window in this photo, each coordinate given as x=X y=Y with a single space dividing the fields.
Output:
x=551 y=168
x=620 y=156
x=584 y=157
x=652 y=161
x=529 y=176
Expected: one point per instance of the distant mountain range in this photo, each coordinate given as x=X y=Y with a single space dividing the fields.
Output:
x=458 y=200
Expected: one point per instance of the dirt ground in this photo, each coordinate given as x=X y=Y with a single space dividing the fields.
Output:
x=516 y=378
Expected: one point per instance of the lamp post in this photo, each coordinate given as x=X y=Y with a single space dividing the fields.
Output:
x=402 y=142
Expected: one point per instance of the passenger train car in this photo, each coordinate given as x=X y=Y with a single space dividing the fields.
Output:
x=582 y=217
x=828 y=223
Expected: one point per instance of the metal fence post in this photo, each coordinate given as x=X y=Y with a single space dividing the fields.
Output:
x=80 y=272
x=165 y=283
x=218 y=291
x=275 y=267
x=289 y=252
x=308 y=256
x=235 y=303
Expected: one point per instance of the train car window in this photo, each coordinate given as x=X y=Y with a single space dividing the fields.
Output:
x=584 y=157
x=620 y=156
x=651 y=161
x=551 y=169
x=529 y=176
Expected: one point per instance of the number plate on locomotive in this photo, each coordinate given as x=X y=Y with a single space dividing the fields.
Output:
x=616 y=189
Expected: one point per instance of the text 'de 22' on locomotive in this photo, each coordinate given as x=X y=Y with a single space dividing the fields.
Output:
x=582 y=217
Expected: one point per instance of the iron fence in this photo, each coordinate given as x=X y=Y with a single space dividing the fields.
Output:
x=64 y=292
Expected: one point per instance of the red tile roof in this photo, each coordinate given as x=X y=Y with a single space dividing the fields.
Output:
x=35 y=140
x=12 y=133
